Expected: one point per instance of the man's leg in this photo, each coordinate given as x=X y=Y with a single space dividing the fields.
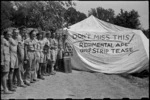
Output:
x=48 y=67
x=10 y=79
x=19 y=78
x=27 y=74
x=52 y=68
x=40 y=76
x=15 y=80
x=4 y=76
x=35 y=71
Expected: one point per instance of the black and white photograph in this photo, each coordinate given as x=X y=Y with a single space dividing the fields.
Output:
x=74 y=49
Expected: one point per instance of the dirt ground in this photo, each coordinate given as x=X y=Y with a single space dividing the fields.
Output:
x=79 y=84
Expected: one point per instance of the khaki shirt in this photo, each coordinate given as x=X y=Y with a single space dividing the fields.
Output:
x=46 y=47
x=6 y=50
x=54 y=43
x=38 y=46
x=31 y=44
x=20 y=47
x=41 y=43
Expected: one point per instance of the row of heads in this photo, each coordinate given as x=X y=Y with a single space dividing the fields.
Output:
x=33 y=32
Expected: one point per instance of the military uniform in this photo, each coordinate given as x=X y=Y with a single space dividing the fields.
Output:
x=30 y=46
x=60 y=54
x=46 y=48
x=53 y=52
x=46 y=52
x=5 y=55
x=21 y=53
x=5 y=64
x=40 y=45
x=21 y=59
x=37 y=52
x=14 y=69
x=13 y=53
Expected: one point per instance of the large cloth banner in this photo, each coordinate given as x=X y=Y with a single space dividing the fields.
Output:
x=108 y=52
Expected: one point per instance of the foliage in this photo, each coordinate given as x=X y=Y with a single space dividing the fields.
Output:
x=146 y=32
x=124 y=18
x=49 y=15
x=72 y=16
x=103 y=14
x=6 y=14
x=128 y=19
x=46 y=15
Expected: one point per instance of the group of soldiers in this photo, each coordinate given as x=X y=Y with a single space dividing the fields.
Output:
x=28 y=57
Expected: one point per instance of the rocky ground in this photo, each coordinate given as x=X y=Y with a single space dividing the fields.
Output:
x=79 y=84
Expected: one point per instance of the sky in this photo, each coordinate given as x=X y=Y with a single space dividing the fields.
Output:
x=142 y=7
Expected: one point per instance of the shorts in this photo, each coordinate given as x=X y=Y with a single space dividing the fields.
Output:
x=41 y=57
x=53 y=55
x=5 y=67
x=38 y=57
x=14 y=61
x=60 y=54
x=45 y=58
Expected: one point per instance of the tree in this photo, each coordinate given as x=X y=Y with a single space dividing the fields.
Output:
x=72 y=16
x=46 y=15
x=103 y=14
x=6 y=14
x=80 y=16
x=128 y=19
x=146 y=32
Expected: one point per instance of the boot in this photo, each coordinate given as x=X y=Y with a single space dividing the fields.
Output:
x=41 y=77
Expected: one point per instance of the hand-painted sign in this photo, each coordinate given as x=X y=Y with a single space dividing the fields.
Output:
x=109 y=49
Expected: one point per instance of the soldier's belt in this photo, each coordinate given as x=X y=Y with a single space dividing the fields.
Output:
x=13 y=51
x=31 y=50
x=53 y=48
x=38 y=50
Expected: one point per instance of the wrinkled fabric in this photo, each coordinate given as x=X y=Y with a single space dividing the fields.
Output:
x=103 y=47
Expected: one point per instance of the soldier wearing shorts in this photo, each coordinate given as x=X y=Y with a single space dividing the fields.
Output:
x=53 y=52
x=13 y=61
x=37 y=60
x=5 y=60
x=60 y=53
x=46 y=50
x=40 y=45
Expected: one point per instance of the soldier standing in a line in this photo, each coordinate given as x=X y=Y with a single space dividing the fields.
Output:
x=38 y=52
x=37 y=59
x=43 y=54
x=30 y=57
x=5 y=59
x=21 y=58
x=53 y=53
x=60 y=53
x=46 y=50
x=56 y=45
x=41 y=60
x=48 y=70
x=14 y=59
x=21 y=38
